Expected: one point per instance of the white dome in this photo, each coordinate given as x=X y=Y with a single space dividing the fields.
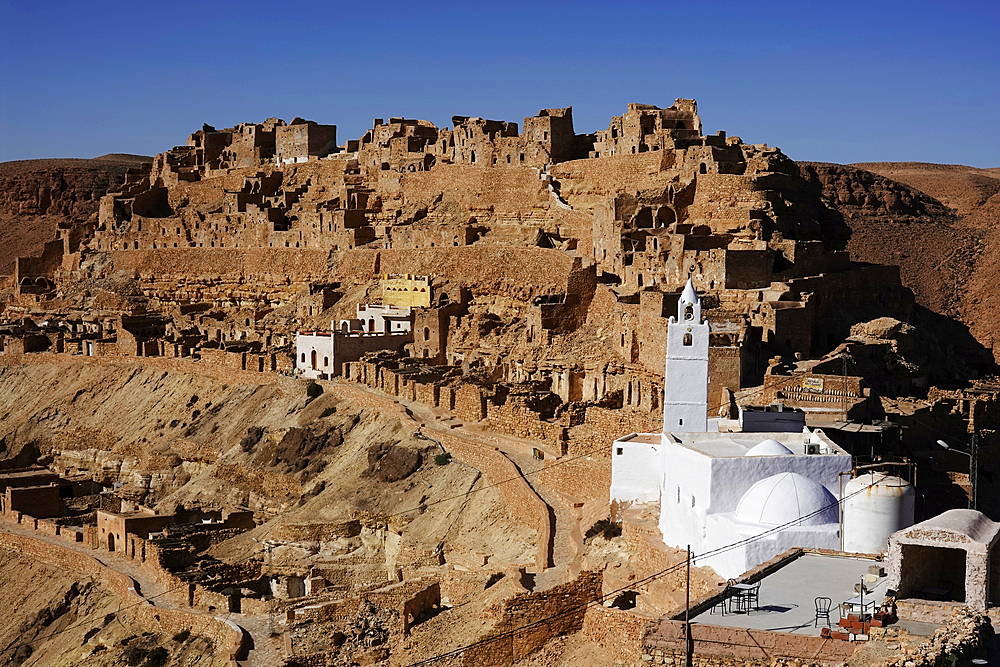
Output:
x=769 y=447
x=785 y=497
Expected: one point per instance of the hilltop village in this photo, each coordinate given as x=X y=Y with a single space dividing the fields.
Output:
x=454 y=382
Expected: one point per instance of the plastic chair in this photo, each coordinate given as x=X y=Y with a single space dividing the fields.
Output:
x=823 y=607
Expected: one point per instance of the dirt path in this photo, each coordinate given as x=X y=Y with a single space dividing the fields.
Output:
x=566 y=541
x=265 y=650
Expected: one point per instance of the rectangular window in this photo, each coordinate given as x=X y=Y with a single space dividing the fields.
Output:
x=619 y=451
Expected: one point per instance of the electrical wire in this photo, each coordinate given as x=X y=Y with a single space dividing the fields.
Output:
x=638 y=583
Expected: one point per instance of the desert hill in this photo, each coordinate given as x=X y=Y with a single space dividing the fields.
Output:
x=37 y=196
x=938 y=223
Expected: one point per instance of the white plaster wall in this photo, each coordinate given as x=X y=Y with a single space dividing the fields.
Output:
x=735 y=475
x=724 y=530
x=635 y=473
x=384 y=319
x=685 y=379
x=305 y=344
x=690 y=472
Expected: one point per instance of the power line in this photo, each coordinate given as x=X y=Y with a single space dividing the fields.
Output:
x=640 y=582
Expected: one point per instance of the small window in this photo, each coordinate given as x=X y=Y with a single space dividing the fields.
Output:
x=326 y=361
x=688 y=341
x=680 y=422
x=619 y=451
x=678 y=495
x=692 y=501
x=303 y=357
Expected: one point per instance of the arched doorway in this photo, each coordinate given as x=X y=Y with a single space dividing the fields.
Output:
x=111 y=541
x=314 y=359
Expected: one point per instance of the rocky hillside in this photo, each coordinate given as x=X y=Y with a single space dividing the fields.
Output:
x=56 y=619
x=37 y=195
x=938 y=223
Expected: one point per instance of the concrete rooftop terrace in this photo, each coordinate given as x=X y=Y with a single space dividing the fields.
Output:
x=787 y=596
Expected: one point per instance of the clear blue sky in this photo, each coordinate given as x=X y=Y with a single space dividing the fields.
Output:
x=832 y=81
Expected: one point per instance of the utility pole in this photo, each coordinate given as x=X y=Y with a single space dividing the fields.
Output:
x=973 y=455
x=843 y=385
x=688 y=644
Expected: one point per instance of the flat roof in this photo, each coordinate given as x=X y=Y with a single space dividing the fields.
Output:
x=788 y=595
x=733 y=444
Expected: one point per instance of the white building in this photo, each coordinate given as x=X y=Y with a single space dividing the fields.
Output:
x=379 y=319
x=314 y=353
x=320 y=354
x=718 y=489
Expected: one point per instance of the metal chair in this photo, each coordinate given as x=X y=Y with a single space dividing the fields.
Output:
x=753 y=597
x=823 y=607
x=724 y=598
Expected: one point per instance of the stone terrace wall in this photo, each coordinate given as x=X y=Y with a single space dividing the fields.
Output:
x=618 y=632
x=278 y=265
x=505 y=190
x=133 y=606
x=610 y=174
x=724 y=646
x=516 y=272
x=561 y=612
x=603 y=426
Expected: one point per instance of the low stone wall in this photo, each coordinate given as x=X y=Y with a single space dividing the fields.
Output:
x=729 y=647
x=955 y=643
x=619 y=633
x=529 y=620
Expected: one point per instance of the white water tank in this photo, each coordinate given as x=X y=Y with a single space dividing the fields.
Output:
x=876 y=505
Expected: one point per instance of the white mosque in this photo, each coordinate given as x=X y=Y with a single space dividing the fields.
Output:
x=718 y=489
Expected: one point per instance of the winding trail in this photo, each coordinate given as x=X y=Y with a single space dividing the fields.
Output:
x=261 y=651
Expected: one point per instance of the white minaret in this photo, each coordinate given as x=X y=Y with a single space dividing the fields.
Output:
x=685 y=380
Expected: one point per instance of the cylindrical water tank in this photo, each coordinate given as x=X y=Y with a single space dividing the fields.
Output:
x=876 y=505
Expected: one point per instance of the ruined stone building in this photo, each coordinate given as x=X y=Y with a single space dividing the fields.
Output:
x=547 y=256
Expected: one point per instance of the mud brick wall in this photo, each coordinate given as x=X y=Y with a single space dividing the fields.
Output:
x=602 y=426
x=739 y=646
x=428 y=598
x=618 y=632
x=236 y=360
x=459 y=586
x=41 y=501
x=412 y=557
x=518 y=272
x=504 y=190
x=516 y=418
x=273 y=265
x=428 y=393
x=584 y=479
x=606 y=174
x=469 y=403
x=725 y=371
x=552 y=613
x=316 y=532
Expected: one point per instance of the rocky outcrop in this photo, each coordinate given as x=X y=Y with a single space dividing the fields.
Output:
x=69 y=188
x=859 y=192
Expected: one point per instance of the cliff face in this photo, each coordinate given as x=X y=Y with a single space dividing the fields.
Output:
x=36 y=196
x=947 y=253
